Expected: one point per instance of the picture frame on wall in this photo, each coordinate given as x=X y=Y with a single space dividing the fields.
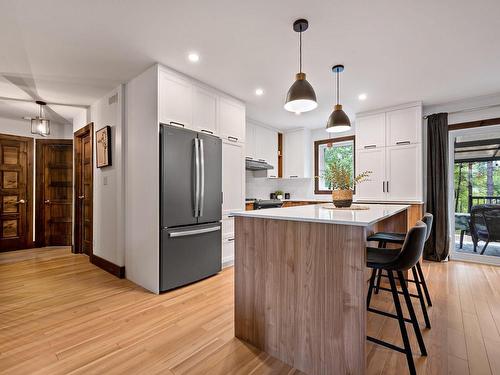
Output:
x=103 y=147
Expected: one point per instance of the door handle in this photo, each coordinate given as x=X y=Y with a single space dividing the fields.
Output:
x=193 y=232
x=21 y=201
x=81 y=197
x=202 y=176
x=196 y=177
x=47 y=201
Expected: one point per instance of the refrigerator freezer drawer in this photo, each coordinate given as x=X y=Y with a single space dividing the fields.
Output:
x=189 y=254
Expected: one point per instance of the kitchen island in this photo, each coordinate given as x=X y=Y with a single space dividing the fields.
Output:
x=301 y=283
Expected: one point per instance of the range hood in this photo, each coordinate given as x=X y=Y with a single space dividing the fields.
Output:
x=257 y=165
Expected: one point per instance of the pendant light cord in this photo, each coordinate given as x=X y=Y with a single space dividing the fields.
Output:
x=300 y=52
x=338 y=93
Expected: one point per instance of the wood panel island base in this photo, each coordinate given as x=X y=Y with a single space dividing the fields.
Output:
x=300 y=284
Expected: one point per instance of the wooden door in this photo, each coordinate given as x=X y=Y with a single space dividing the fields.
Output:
x=84 y=166
x=54 y=192
x=16 y=190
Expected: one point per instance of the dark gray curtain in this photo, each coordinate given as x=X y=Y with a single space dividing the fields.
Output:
x=437 y=247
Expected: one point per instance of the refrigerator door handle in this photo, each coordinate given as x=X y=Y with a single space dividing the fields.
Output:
x=202 y=176
x=193 y=232
x=196 y=178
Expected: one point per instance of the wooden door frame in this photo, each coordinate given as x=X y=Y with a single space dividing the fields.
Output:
x=29 y=181
x=88 y=129
x=40 y=239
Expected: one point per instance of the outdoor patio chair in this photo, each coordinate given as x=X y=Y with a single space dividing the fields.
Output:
x=485 y=224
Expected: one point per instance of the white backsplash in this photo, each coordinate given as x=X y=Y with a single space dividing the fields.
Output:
x=261 y=188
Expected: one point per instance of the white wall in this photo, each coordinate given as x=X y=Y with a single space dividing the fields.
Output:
x=109 y=183
x=23 y=128
x=142 y=181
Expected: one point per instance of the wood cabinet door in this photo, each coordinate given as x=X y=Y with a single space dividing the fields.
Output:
x=54 y=171
x=404 y=126
x=370 y=131
x=16 y=190
x=84 y=168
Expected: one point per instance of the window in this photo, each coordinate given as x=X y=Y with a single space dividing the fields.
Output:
x=327 y=151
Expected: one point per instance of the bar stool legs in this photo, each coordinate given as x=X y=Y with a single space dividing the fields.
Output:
x=424 y=284
x=406 y=349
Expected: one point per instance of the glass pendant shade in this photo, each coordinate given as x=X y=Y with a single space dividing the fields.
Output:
x=40 y=126
x=338 y=121
x=301 y=96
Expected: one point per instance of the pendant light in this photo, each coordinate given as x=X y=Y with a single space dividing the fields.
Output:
x=301 y=96
x=39 y=124
x=338 y=120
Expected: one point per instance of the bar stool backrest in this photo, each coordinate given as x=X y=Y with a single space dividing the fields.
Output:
x=412 y=249
x=428 y=219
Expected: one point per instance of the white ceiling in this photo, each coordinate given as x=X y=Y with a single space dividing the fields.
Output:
x=395 y=51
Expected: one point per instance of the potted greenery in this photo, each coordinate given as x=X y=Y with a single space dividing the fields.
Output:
x=342 y=183
x=279 y=194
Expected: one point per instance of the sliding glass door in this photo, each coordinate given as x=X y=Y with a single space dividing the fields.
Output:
x=474 y=194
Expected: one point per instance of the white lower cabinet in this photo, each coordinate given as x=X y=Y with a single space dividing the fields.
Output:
x=227 y=241
x=404 y=172
x=372 y=160
x=396 y=173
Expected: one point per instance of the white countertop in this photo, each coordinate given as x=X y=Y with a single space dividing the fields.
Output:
x=318 y=214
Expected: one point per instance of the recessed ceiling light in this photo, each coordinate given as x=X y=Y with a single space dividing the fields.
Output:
x=259 y=92
x=362 y=96
x=194 y=57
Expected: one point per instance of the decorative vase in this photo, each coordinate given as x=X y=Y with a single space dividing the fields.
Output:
x=342 y=198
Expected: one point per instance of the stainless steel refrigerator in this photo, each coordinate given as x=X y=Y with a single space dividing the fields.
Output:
x=191 y=206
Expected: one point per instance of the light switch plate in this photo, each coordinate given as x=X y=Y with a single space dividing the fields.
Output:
x=105 y=180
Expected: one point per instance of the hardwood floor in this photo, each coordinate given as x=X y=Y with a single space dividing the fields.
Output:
x=60 y=314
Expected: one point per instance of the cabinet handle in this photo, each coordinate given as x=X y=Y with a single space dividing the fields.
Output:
x=272 y=176
x=370 y=146
x=403 y=143
x=387 y=186
x=248 y=158
x=233 y=139
x=294 y=176
x=383 y=186
x=176 y=123
x=230 y=239
x=207 y=131
x=262 y=160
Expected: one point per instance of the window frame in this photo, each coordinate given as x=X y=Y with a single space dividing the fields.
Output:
x=316 y=161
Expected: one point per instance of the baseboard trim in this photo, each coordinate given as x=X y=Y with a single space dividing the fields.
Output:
x=106 y=265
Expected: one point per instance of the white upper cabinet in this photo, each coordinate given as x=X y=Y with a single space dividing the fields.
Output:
x=205 y=111
x=175 y=100
x=370 y=131
x=232 y=120
x=250 y=141
x=403 y=126
x=390 y=145
x=404 y=172
x=371 y=160
x=267 y=148
x=233 y=177
x=297 y=154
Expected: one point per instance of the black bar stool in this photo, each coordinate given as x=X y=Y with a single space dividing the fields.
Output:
x=394 y=263
x=383 y=239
